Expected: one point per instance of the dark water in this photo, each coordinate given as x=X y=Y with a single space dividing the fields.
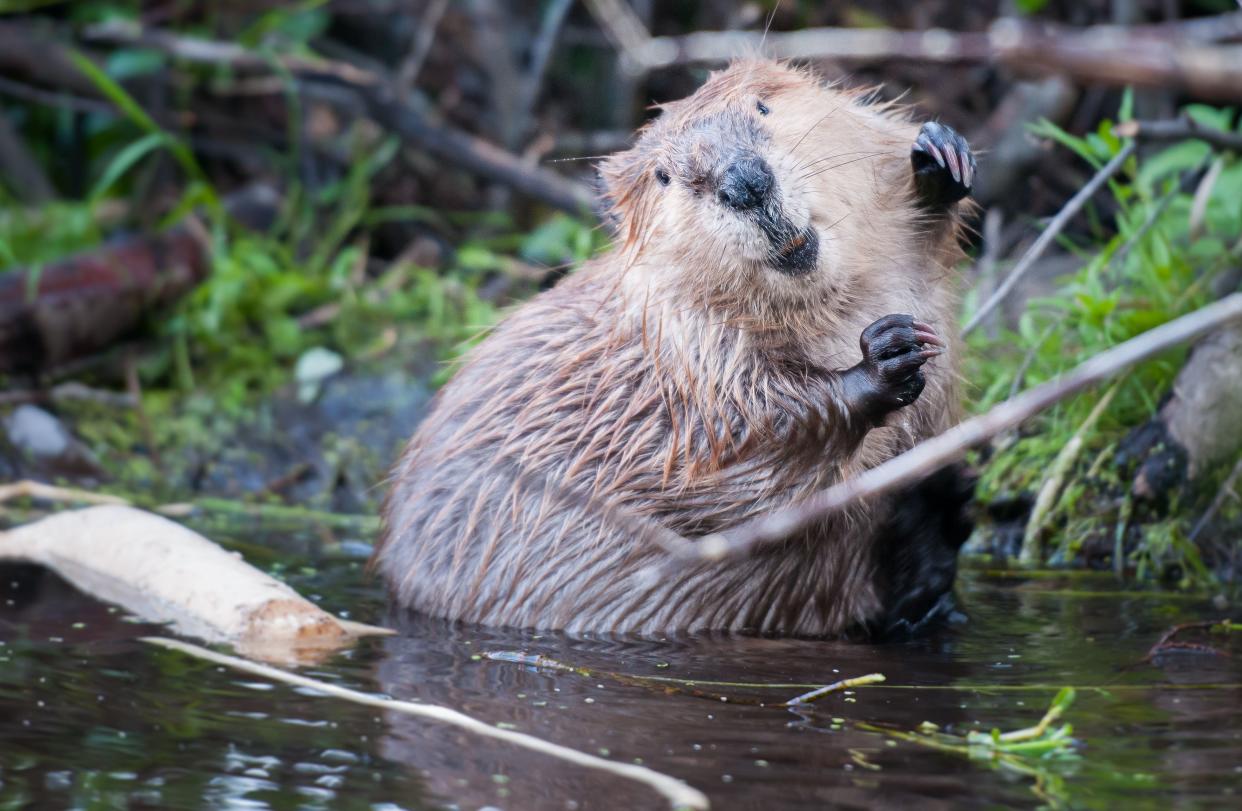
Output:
x=92 y=718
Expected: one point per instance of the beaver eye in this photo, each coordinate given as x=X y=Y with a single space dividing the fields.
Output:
x=762 y=108
x=662 y=176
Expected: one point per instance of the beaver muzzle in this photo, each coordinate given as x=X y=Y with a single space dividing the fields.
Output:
x=749 y=187
x=796 y=255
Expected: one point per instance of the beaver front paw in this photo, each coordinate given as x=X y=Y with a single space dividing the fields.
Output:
x=944 y=166
x=890 y=375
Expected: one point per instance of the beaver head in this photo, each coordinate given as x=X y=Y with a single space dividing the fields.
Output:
x=765 y=183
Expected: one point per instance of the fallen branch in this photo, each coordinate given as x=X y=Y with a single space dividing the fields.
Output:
x=420 y=47
x=474 y=154
x=935 y=453
x=1170 y=55
x=1055 y=227
x=677 y=793
x=199 y=51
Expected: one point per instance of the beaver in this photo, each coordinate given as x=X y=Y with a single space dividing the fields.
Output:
x=780 y=276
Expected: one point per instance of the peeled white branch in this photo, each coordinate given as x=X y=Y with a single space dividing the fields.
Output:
x=164 y=573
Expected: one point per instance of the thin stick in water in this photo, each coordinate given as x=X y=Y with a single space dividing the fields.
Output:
x=836 y=686
x=678 y=794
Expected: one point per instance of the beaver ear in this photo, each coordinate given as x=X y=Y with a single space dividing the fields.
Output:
x=605 y=192
x=621 y=178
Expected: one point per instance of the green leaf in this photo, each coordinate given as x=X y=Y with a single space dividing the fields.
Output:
x=1126 y=111
x=1046 y=129
x=125 y=160
x=1063 y=699
x=134 y=112
x=130 y=62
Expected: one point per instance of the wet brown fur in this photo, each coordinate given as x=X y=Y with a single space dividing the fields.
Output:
x=678 y=379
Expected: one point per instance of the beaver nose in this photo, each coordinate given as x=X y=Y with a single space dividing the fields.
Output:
x=746 y=183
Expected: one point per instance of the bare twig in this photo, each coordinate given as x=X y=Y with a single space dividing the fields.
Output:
x=1050 y=491
x=1179 y=129
x=624 y=29
x=133 y=385
x=65 y=392
x=1225 y=493
x=1050 y=233
x=214 y=52
x=1028 y=359
x=677 y=793
x=540 y=57
x=1183 y=185
x=47 y=492
x=26 y=178
x=844 y=684
x=50 y=98
x=939 y=451
x=424 y=36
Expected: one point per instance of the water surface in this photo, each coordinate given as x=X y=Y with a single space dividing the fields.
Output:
x=92 y=718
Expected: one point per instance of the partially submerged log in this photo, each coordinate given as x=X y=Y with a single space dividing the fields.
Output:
x=163 y=572
x=82 y=304
x=68 y=309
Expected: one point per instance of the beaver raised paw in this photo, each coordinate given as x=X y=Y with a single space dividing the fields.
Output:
x=944 y=166
x=890 y=374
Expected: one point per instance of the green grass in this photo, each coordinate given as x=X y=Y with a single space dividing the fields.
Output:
x=1132 y=279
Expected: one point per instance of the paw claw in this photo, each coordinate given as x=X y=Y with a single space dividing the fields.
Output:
x=944 y=167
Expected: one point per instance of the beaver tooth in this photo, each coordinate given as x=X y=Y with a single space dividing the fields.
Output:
x=793 y=245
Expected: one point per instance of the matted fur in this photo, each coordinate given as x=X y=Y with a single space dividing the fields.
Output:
x=680 y=379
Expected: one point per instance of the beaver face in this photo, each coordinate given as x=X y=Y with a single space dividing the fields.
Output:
x=724 y=173
x=763 y=182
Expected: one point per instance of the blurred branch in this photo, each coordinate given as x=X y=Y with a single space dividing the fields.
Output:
x=624 y=29
x=933 y=454
x=33 y=53
x=477 y=155
x=540 y=56
x=1179 y=129
x=214 y=52
x=424 y=36
x=51 y=98
x=19 y=167
x=1176 y=54
x=1011 y=150
x=37 y=55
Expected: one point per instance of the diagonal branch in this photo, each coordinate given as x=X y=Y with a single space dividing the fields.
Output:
x=935 y=453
